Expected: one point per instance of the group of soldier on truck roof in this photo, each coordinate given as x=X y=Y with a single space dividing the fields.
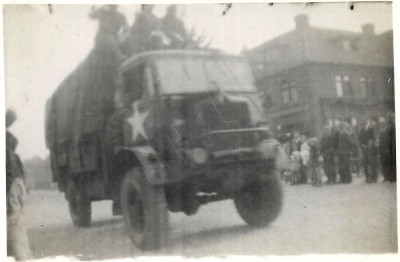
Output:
x=146 y=33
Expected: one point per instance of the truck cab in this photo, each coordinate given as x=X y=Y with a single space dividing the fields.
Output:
x=193 y=118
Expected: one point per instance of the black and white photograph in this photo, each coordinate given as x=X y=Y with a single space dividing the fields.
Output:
x=199 y=130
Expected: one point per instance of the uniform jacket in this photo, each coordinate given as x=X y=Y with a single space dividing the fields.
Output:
x=366 y=134
x=328 y=145
x=345 y=144
x=386 y=140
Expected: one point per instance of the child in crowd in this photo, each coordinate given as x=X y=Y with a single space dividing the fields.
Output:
x=293 y=174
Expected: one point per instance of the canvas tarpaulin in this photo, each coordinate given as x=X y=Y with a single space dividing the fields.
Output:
x=84 y=101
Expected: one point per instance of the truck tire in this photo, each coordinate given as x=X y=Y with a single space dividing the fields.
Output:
x=79 y=206
x=260 y=202
x=144 y=210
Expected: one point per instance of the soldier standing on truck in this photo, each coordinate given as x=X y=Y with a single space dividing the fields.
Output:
x=144 y=33
x=112 y=24
x=173 y=28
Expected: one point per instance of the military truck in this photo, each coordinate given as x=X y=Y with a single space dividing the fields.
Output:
x=164 y=131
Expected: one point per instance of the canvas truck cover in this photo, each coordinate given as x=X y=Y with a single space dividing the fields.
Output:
x=84 y=101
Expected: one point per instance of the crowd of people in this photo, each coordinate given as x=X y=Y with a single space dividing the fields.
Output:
x=343 y=151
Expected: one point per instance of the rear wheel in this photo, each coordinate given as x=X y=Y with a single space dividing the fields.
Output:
x=145 y=211
x=260 y=202
x=79 y=206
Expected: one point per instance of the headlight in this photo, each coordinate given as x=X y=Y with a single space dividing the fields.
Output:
x=198 y=155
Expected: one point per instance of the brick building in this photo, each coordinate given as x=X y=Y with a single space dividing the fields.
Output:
x=313 y=76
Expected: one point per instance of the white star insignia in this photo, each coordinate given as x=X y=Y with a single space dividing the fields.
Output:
x=136 y=120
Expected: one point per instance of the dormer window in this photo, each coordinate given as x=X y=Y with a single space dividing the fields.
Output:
x=349 y=45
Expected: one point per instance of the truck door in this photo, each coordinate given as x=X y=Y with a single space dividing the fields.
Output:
x=138 y=127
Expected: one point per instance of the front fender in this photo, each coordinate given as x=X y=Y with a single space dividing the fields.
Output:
x=150 y=162
x=271 y=149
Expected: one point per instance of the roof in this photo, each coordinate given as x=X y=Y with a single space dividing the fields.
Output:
x=321 y=45
x=174 y=53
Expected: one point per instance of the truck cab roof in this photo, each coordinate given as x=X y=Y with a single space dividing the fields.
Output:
x=154 y=55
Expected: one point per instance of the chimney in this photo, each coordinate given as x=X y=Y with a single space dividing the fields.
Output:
x=368 y=29
x=301 y=21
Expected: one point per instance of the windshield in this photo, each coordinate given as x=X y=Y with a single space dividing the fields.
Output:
x=192 y=75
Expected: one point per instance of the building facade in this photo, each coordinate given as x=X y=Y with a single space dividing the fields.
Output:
x=311 y=77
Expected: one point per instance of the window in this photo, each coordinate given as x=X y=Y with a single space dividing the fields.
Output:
x=293 y=93
x=135 y=84
x=267 y=100
x=346 y=44
x=371 y=87
x=339 y=86
x=364 y=87
x=285 y=94
x=343 y=86
x=350 y=45
x=347 y=88
x=355 y=46
x=368 y=86
x=289 y=92
x=194 y=75
x=271 y=55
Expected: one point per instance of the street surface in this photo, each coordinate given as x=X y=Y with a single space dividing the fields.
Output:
x=355 y=218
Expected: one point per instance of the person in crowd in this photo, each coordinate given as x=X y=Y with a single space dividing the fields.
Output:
x=305 y=158
x=296 y=143
x=286 y=145
x=316 y=178
x=174 y=28
x=367 y=141
x=344 y=151
x=112 y=25
x=17 y=238
x=392 y=123
x=285 y=142
x=356 y=154
x=387 y=149
x=328 y=148
x=293 y=174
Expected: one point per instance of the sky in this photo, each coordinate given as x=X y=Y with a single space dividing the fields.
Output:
x=42 y=48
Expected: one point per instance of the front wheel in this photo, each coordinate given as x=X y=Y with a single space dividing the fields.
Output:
x=144 y=210
x=260 y=202
x=79 y=206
